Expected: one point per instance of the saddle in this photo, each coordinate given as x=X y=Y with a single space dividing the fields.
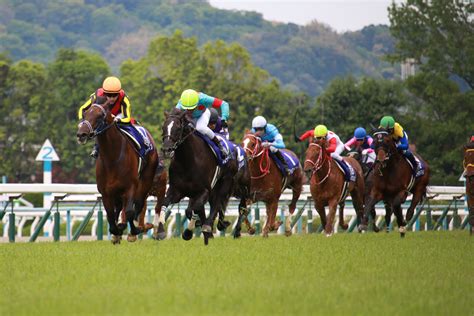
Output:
x=291 y=161
x=139 y=137
x=348 y=171
x=215 y=149
x=419 y=169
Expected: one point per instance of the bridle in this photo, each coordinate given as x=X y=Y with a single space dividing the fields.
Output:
x=258 y=151
x=322 y=158
x=182 y=136
x=101 y=128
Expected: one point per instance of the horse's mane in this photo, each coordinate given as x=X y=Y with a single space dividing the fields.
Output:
x=470 y=145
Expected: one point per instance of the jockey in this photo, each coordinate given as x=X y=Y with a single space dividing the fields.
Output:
x=270 y=137
x=198 y=104
x=363 y=142
x=400 y=137
x=110 y=93
x=335 y=146
x=308 y=134
x=215 y=123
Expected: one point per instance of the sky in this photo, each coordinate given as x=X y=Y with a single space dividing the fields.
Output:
x=341 y=15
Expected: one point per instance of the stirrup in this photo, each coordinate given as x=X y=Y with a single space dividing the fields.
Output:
x=94 y=154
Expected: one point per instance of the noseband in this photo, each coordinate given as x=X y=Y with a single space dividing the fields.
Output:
x=100 y=129
x=181 y=138
x=258 y=151
x=319 y=162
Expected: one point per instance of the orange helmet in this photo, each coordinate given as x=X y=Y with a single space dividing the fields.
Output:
x=112 y=85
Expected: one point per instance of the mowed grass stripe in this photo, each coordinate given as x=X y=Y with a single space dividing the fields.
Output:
x=425 y=273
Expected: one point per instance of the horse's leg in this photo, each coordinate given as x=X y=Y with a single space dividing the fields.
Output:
x=196 y=206
x=397 y=209
x=388 y=215
x=417 y=198
x=321 y=212
x=120 y=217
x=276 y=224
x=297 y=188
x=370 y=200
x=109 y=206
x=160 y=211
x=268 y=223
x=330 y=219
x=218 y=201
x=341 y=216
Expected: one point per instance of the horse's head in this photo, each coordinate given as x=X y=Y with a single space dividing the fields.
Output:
x=176 y=127
x=252 y=145
x=468 y=162
x=95 y=120
x=315 y=156
x=384 y=146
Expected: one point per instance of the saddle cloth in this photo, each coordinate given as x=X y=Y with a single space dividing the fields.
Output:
x=139 y=137
x=420 y=167
x=231 y=147
x=291 y=160
x=352 y=175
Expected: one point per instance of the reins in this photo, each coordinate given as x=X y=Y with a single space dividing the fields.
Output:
x=264 y=163
x=319 y=163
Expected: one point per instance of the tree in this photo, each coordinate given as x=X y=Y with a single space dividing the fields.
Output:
x=438 y=34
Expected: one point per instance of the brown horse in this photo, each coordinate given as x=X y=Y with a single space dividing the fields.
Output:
x=468 y=164
x=391 y=181
x=119 y=179
x=267 y=182
x=327 y=184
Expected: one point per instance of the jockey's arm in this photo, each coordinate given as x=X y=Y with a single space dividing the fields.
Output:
x=350 y=143
x=370 y=142
x=307 y=134
x=332 y=145
x=216 y=103
x=126 y=110
x=278 y=142
x=85 y=106
x=402 y=143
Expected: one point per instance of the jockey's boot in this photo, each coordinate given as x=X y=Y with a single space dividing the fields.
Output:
x=279 y=155
x=95 y=152
x=224 y=151
x=412 y=159
x=347 y=172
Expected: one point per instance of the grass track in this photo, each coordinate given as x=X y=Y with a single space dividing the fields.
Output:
x=426 y=273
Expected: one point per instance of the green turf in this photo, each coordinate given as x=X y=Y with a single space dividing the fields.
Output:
x=425 y=273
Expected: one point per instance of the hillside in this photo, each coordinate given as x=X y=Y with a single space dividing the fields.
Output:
x=302 y=57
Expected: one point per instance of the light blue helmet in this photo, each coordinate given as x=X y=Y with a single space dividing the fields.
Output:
x=360 y=133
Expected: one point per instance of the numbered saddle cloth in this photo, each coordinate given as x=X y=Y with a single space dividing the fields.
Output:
x=215 y=149
x=291 y=161
x=139 y=137
x=420 y=167
x=349 y=172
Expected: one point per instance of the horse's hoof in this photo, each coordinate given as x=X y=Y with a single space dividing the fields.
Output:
x=131 y=238
x=276 y=225
x=329 y=234
x=187 y=234
x=376 y=229
x=159 y=233
x=402 y=230
x=251 y=231
x=237 y=235
x=288 y=233
x=265 y=235
x=147 y=227
x=344 y=226
x=207 y=236
x=206 y=229
x=222 y=225
x=362 y=228
x=116 y=239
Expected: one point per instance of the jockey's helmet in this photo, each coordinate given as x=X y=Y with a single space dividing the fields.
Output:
x=320 y=131
x=360 y=133
x=189 y=99
x=387 y=122
x=111 y=85
x=214 y=116
x=259 y=122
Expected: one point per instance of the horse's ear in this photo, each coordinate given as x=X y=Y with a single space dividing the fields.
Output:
x=247 y=131
x=166 y=113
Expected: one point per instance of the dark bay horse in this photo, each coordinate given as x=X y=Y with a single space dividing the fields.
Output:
x=195 y=173
x=391 y=181
x=327 y=184
x=268 y=183
x=468 y=164
x=119 y=180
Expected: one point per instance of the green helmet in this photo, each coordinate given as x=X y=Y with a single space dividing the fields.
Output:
x=189 y=99
x=320 y=131
x=387 y=122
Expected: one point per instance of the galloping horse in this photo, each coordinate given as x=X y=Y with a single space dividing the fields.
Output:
x=195 y=173
x=393 y=180
x=468 y=164
x=268 y=183
x=119 y=179
x=327 y=185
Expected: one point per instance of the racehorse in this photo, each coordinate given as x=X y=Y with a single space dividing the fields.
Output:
x=328 y=187
x=393 y=181
x=468 y=164
x=119 y=180
x=368 y=172
x=195 y=173
x=268 y=183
